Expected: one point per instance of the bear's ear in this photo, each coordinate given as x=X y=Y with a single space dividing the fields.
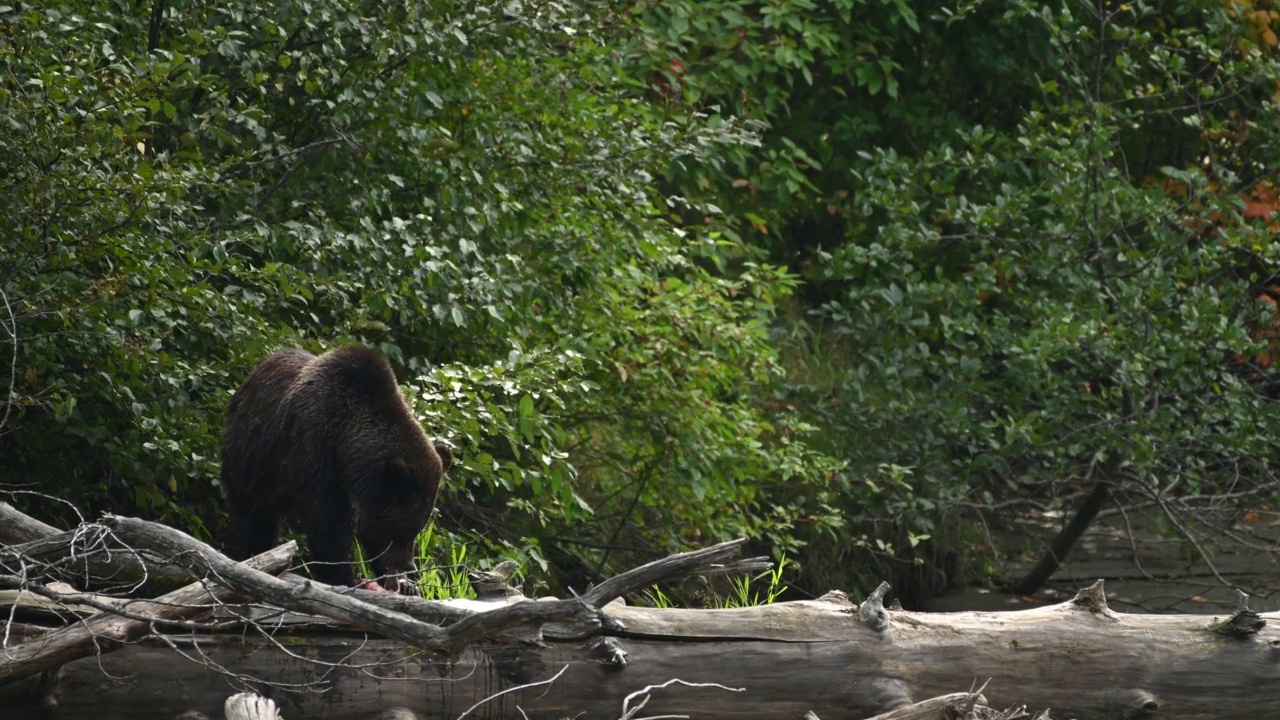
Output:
x=399 y=480
x=446 y=457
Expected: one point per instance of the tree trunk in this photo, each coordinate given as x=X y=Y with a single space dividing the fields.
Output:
x=1078 y=659
x=1067 y=538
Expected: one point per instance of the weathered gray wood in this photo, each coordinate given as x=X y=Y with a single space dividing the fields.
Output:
x=1078 y=659
x=954 y=705
x=81 y=555
x=374 y=612
x=34 y=604
x=107 y=631
x=148 y=676
x=829 y=657
x=17 y=527
x=300 y=596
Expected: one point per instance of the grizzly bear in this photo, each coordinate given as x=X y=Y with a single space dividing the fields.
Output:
x=329 y=441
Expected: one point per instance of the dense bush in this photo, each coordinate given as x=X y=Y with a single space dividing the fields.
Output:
x=822 y=273
x=1031 y=237
x=466 y=188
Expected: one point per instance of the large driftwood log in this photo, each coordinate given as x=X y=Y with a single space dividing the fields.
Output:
x=109 y=631
x=387 y=615
x=84 y=556
x=966 y=706
x=17 y=527
x=828 y=657
x=1078 y=659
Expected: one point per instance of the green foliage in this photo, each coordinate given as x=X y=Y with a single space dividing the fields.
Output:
x=842 y=273
x=513 y=411
x=1023 y=235
x=699 y=459
x=655 y=598
x=1038 y=302
x=742 y=591
x=746 y=594
x=441 y=560
x=442 y=580
x=468 y=189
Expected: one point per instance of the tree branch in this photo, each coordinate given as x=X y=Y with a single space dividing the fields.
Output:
x=107 y=631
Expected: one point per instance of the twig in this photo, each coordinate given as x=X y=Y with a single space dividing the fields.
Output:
x=500 y=693
x=82 y=555
x=108 y=631
x=629 y=713
x=12 y=330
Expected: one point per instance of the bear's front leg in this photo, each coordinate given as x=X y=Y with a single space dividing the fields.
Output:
x=329 y=534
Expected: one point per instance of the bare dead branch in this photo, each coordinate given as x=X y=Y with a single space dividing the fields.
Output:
x=702 y=559
x=371 y=611
x=10 y=328
x=645 y=694
x=85 y=556
x=109 y=631
x=312 y=597
x=139 y=546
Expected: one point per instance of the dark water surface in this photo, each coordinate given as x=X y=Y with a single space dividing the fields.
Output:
x=1147 y=570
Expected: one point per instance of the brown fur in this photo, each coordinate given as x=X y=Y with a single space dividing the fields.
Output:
x=328 y=440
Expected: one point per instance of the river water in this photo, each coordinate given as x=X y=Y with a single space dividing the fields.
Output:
x=1146 y=567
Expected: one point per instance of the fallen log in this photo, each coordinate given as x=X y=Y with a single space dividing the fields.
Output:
x=126 y=621
x=391 y=616
x=828 y=656
x=82 y=556
x=17 y=527
x=599 y=658
x=251 y=706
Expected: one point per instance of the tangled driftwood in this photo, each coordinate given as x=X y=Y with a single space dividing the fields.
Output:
x=320 y=652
